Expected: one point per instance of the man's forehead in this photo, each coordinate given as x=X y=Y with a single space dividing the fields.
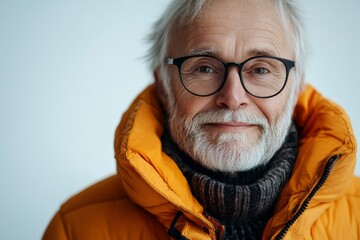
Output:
x=256 y=30
x=239 y=9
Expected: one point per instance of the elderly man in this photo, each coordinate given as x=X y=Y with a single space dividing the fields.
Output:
x=228 y=143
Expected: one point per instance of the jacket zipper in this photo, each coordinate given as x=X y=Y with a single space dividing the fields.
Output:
x=329 y=165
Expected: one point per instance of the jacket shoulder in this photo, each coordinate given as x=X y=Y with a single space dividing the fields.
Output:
x=103 y=211
x=106 y=190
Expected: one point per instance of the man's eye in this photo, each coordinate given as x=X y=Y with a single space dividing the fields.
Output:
x=205 y=69
x=260 y=70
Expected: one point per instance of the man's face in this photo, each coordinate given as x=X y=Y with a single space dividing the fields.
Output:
x=231 y=130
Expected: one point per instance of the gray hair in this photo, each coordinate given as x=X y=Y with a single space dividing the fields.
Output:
x=183 y=12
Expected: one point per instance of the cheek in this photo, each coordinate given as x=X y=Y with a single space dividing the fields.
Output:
x=187 y=104
x=273 y=108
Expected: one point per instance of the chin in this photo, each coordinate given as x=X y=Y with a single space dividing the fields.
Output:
x=228 y=156
x=233 y=140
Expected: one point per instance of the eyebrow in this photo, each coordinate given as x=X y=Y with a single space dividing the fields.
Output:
x=203 y=51
x=212 y=51
x=261 y=52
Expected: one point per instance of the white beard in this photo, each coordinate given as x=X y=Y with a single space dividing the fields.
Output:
x=230 y=152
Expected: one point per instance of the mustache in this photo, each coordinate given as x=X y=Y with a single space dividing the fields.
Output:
x=224 y=115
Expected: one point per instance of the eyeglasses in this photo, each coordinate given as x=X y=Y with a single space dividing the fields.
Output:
x=260 y=76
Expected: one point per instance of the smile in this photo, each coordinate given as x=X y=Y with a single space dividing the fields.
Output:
x=230 y=126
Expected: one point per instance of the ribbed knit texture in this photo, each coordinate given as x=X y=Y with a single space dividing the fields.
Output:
x=242 y=201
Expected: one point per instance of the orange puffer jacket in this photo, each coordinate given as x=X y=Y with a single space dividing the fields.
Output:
x=149 y=196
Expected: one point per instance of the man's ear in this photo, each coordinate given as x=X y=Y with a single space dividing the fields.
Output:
x=159 y=88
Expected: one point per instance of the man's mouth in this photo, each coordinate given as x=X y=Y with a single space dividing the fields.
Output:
x=230 y=126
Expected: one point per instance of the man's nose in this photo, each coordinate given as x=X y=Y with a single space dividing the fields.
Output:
x=232 y=95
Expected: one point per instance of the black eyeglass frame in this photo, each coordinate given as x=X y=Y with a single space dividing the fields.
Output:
x=289 y=64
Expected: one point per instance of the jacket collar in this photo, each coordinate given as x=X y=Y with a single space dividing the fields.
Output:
x=150 y=177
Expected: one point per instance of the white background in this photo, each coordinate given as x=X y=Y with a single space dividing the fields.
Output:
x=68 y=70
